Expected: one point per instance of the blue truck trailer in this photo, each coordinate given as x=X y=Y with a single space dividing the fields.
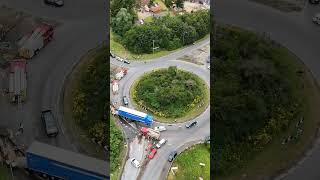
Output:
x=135 y=115
x=58 y=163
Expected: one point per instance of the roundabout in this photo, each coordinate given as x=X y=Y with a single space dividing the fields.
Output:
x=176 y=134
x=171 y=95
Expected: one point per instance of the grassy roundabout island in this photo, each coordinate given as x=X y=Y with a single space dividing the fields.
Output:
x=188 y=163
x=171 y=94
x=264 y=106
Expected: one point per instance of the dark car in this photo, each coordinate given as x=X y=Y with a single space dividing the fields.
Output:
x=57 y=3
x=126 y=61
x=49 y=123
x=314 y=1
x=172 y=156
x=125 y=100
x=190 y=125
x=112 y=55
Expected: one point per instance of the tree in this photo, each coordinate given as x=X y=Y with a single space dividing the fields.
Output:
x=168 y=3
x=180 y=3
x=122 y=22
x=116 y=5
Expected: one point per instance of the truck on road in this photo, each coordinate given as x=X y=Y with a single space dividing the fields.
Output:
x=115 y=86
x=135 y=115
x=30 y=44
x=150 y=132
x=57 y=163
x=18 y=80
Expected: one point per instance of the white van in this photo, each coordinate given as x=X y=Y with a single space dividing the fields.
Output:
x=160 y=128
x=160 y=143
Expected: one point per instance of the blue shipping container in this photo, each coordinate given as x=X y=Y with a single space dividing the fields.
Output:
x=64 y=164
x=135 y=115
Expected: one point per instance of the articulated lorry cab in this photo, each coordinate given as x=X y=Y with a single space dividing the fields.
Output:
x=135 y=115
x=58 y=163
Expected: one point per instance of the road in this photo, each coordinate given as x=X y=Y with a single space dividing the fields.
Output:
x=82 y=27
x=298 y=34
x=177 y=135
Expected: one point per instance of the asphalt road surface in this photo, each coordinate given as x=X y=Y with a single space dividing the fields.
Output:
x=293 y=30
x=176 y=134
x=82 y=27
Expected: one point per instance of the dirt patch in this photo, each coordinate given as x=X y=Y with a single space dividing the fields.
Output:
x=198 y=56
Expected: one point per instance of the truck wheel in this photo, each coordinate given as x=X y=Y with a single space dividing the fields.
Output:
x=36 y=52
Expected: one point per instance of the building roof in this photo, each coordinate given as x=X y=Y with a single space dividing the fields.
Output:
x=74 y=159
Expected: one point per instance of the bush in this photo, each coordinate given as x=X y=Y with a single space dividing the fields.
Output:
x=89 y=103
x=116 y=142
x=169 y=93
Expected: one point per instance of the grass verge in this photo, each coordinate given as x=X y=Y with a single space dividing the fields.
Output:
x=117 y=48
x=277 y=157
x=196 y=111
x=188 y=163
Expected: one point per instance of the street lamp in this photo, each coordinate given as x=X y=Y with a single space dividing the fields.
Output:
x=153 y=48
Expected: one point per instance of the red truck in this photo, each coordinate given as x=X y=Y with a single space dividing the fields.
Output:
x=150 y=133
x=30 y=44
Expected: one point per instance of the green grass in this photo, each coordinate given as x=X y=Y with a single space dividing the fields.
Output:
x=4 y=173
x=117 y=48
x=195 y=111
x=188 y=163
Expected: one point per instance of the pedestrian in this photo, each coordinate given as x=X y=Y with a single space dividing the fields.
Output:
x=21 y=128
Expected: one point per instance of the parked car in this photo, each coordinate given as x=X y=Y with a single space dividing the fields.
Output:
x=49 y=123
x=207 y=139
x=172 y=156
x=112 y=55
x=57 y=3
x=314 y=1
x=119 y=59
x=152 y=153
x=160 y=128
x=135 y=162
x=160 y=143
x=125 y=100
x=316 y=18
x=126 y=61
x=190 y=125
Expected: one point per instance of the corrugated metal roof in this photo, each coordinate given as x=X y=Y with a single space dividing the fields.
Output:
x=70 y=158
x=132 y=111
